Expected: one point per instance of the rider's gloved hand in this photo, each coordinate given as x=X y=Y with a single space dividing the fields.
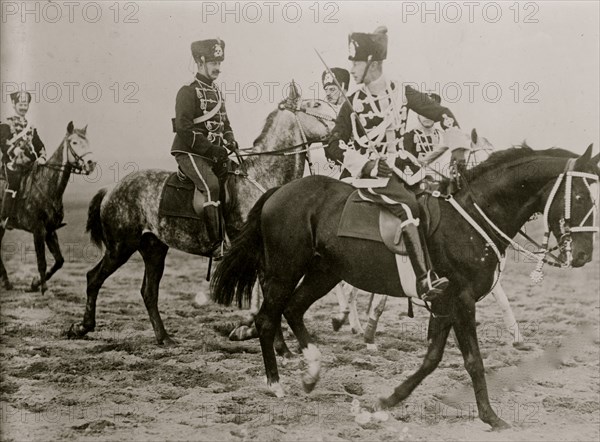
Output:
x=230 y=142
x=377 y=168
x=41 y=161
x=220 y=155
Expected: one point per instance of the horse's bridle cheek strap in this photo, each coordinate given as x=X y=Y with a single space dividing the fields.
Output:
x=565 y=222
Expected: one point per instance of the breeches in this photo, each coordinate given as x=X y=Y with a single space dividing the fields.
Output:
x=396 y=198
x=199 y=170
x=13 y=177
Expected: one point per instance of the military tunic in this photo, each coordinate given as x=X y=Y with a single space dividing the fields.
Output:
x=20 y=146
x=18 y=134
x=202 y=132
x=384 y=119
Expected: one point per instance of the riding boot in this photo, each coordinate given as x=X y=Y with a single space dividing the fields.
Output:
x=429 y=285
x=8 y=206
x=212 y=219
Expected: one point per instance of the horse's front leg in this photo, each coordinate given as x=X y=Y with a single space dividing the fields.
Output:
x=59 y=261
x=40 y=253
x=439 y=327
x=3 y=274
x=466 y=337
x=509 y=318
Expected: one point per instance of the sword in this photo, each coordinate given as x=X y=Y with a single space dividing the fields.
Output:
x=369 y=145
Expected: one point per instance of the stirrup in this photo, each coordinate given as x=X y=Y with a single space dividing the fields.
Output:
x=219 y=251
x=435 y=286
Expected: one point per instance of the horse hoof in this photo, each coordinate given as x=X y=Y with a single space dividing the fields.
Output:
x=308 y=386
x=521 y=346
x=500 y=425
x=243 y=333
x=168 y=342
x=277 y=389
x=372 y=347
x=309 y=382
x=336 y=324
x=386 y=402
x=76 y=331
x=357 y=331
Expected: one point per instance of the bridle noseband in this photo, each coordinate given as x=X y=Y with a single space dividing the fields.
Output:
x=77 y=167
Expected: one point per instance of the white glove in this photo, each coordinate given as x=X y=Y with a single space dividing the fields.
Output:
x=41 y=161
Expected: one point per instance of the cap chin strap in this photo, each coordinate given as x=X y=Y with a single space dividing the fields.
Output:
x=369 y=61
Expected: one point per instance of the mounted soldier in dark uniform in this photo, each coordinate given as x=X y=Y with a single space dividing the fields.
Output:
x=423 y=140
x=333 y=94
x=21 y=147
x=374 y=118
x=204 y=136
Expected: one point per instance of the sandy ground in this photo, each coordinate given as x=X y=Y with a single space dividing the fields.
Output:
x=119 y=385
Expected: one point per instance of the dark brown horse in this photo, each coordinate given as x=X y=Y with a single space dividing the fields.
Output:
x=126 y=218
x=41 y=212
x=290 y=240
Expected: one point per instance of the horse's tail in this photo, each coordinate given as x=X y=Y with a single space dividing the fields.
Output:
x=237 y=272
x=94 y=224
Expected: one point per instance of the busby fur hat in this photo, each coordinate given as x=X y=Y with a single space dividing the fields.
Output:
x=368 y=47
x=211 y=50
x=435 y=97
x=341 y=75
x=20 y=97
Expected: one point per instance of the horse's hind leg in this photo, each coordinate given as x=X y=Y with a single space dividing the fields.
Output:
x=340 y=319
x=355 y=326
x=316 y=284
x=376 y=310
x=3 y=275
x=154 y=253
x=268 y=322
x=59 y=261
x=111 y=261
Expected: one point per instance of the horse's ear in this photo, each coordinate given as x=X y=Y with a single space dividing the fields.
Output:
x=293 y=93
x=70 y=128
x=585 y=158
x=474 y=136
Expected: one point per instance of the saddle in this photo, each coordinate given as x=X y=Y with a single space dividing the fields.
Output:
x=366 y=220
x=180 y=197
x=24 y=185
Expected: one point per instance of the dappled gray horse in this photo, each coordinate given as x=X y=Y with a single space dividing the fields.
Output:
x=126 y=219
x=41 y=210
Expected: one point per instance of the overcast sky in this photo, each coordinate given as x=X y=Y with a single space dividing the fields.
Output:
x=513 y=71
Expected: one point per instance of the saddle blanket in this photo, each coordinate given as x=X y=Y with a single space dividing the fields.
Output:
x=361 y=219
x=177 y=198
x=365 y=220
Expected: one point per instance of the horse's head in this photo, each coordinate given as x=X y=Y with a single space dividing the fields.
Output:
x=480 y=150
x=296 y=121
x=570 y=208
x=77 y=150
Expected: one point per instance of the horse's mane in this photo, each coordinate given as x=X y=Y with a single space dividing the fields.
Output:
x=266 y=127
x=500 y=158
